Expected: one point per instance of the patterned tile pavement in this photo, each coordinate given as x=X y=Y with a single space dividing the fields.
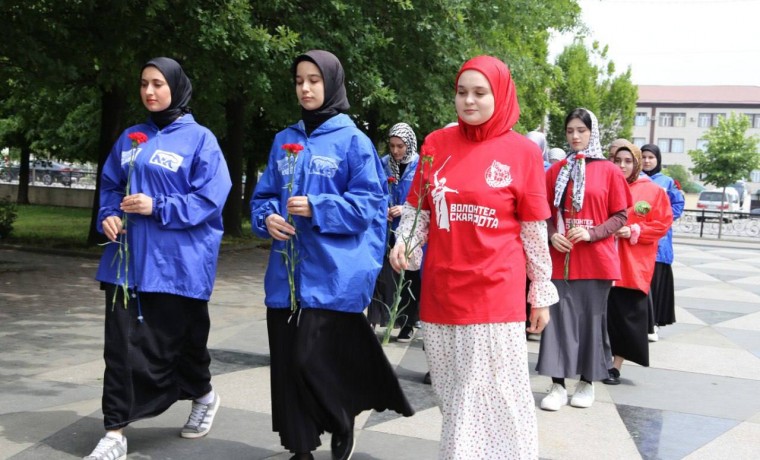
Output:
x=700 y=399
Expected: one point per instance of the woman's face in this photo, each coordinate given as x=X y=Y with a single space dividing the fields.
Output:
x=578 y=134
x=310 y=87
x=154 y=91
x=474 y=100
x=624 y=160
x=397 y=147
x=648 y=161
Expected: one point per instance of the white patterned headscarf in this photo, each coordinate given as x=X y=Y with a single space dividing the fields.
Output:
x=404 y=132
x=576 y=170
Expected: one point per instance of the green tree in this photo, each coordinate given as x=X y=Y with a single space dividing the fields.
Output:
x=582 y=83
x=730 y=154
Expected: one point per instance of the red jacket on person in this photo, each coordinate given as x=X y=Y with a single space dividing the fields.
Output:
x=637 y=254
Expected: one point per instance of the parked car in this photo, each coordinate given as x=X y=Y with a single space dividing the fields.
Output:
x=45 y=171
x=714 y=200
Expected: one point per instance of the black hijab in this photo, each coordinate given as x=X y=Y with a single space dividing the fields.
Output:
x=335 y=91
x=656 y=151
x=180 y=86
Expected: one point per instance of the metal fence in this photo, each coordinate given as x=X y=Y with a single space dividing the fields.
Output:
x=705 y=224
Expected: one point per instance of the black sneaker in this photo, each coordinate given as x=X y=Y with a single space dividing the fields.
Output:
x=427 y=380
x=342 y=445
x=405 y=335
x=614 y=377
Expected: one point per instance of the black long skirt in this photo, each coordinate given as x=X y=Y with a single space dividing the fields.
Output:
x=150 y=365
x=627 y=312
x=663 y=295
x=385 y=289
x=326 y=368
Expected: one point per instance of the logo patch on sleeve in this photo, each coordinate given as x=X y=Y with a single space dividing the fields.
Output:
x=168 y=160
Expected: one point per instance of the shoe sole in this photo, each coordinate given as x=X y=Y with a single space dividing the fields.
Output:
x=552 y=409
x=611 y=382
x=211 y=424
x=582 y=405
x=404 y=340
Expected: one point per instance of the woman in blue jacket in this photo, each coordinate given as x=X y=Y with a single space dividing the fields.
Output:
x=662 y=290
x=399 y=166
x=160 y=203
x=330 y=201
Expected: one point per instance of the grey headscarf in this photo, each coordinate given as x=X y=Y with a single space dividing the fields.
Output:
x=404 y=132
x=539 y=139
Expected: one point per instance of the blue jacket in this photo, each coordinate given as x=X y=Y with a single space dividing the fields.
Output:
x=398 y=192
x=665 y=246
x=175 y=250
x=340 y=248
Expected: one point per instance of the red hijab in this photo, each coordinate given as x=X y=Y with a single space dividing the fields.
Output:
x=506 y=109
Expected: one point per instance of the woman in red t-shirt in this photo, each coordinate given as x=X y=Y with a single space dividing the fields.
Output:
x=589 y=197
x=648 y=220
x=479 y=201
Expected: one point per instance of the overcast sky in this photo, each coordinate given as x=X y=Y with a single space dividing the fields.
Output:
x=677 y=42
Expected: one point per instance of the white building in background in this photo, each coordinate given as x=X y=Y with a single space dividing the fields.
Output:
x=676 y=117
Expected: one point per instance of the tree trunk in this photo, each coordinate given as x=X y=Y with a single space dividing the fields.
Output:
x=720 y=222
x=233 y=152
x=22 y=196
x=112 y=106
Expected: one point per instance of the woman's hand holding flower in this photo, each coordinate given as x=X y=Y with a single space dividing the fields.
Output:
x=561 y=243
x=299 y=206
x=139 y=203
x=112 y=227
x=279 y=228
x=394 y=211
x=397 y=257
x=577 y=234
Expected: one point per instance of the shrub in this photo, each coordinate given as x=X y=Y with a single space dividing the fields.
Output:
x=7 y=216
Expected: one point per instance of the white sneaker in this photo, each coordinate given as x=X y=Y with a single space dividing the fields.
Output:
x=584 y=395
x=201 y=418
x=556 y=398
x=112 y=446
x=653 y=337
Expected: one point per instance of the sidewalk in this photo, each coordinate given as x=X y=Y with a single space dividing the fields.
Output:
x=699 y=399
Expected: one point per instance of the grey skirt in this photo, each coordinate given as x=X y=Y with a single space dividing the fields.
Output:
x=575 y=342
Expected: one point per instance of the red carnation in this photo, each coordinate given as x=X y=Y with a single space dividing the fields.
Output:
x=563 y=163
x=392 y=180
x=292 y=149
x=580 y=156
x=137 y=138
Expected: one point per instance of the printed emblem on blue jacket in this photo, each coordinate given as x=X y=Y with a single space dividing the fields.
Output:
x=323 y=166
x=168 y=160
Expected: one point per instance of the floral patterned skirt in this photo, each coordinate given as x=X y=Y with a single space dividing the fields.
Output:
x=480 y=376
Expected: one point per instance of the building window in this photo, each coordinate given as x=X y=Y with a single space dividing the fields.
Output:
x=701 y=144
x=754 y=176
x=672 y=119
x=639 y=141
x=754 y=119
x=641 y=119
x=707 y=120
x=668 y=145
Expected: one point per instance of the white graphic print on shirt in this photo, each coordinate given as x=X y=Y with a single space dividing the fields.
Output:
x=497 y=175
x=439 y=199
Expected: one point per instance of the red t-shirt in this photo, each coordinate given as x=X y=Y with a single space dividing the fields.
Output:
x=607 y=192
x=474 y=267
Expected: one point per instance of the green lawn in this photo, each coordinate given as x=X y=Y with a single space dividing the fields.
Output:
x=67 y=228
